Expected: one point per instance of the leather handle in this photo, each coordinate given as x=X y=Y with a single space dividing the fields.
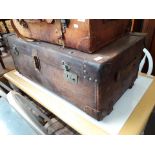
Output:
x=24 y=22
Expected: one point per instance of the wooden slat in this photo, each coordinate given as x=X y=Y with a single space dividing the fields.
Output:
x=55 y=127
x=8 y=24
x=64 y=131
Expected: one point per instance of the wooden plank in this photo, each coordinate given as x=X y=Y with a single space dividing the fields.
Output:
x=64 y=131
x=55 y=127
x=134 y=125
x=8 y=24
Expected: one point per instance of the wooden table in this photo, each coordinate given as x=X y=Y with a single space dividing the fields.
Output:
x=83 y=123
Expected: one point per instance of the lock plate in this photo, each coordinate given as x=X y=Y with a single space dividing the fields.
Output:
x=71 y=77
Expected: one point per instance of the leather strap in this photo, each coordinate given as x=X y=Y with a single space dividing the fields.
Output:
x=61 y=25
x=17 y=32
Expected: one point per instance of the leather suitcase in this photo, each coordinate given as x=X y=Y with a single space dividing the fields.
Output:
x=85 y=35
x=92 y=82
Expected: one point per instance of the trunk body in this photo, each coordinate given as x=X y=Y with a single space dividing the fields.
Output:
x=92 y=82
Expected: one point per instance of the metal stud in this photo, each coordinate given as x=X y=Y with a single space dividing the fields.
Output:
x=84 y=65
x=84 y=71
x=95 y=80
x=70 y=52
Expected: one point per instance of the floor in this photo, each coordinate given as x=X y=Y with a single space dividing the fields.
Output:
x=7 y=58
x=14 y=122
x=11 y=123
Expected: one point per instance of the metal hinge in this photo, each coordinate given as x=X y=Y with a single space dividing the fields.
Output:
x=69 y=76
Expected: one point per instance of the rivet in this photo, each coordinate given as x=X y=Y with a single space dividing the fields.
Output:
x=70 y=52
x=90 y=79
x=84 y=77
x=95 y=80
x=84 y=66
x=84 y=71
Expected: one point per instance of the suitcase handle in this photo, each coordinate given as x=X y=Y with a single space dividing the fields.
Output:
x=23 y=22
x=49 y=21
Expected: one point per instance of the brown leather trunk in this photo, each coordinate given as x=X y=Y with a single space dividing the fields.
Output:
x=92 y=82
x=85 y=35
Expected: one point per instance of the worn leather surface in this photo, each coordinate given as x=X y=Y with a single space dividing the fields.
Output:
x=103 y=77
x=85 y=35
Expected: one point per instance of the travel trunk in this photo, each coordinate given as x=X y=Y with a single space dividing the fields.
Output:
x=92 y=82
x=85 y=35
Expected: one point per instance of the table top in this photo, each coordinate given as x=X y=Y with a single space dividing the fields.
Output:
x=130 y=114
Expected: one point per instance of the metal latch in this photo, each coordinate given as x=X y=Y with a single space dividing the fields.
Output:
x=71 y=77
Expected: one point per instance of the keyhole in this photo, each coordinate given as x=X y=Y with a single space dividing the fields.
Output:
x=37 y=63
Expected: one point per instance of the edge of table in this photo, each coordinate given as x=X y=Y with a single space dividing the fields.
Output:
x=142 y=110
